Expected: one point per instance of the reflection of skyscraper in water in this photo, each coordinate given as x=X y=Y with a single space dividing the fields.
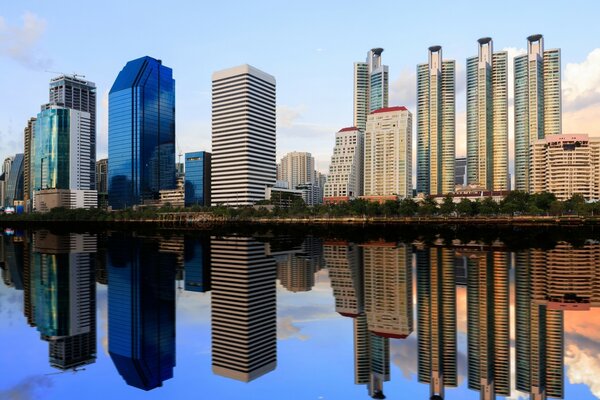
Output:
x=436 y=319
x=296 y=268
x=344 y=263
x=141 y=310
x=64 y=290
x=243 y=303
x=196 y=262
x=540 y=335
x=488 y=323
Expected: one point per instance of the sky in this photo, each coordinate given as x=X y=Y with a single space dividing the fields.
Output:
x=309 y=47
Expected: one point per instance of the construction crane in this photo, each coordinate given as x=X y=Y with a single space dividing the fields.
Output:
x=73 y=75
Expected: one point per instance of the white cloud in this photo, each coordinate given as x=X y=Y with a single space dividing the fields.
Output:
x=287 y=116
x=581 y=83
x=583 y=367
x=29 y=388
x=20 y=43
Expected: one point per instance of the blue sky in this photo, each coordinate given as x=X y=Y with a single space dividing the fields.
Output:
x=308 y=46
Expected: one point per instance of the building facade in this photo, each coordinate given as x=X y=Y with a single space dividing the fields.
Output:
x=345 y=179
x=487 y=117
x=28 y=143
x=436 y=124
x=4 y=177
x=371 y=87
x=460 y=171
x=197 y=178
x=538 y=104
x=388 y=153
x=141 y=133
x=566 y=165
x=14 y=183
x=243 y=135
x=297 y=168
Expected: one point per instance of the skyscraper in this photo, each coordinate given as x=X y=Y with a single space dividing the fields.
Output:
x=388 y=153
x=62 y=150
x=297 y=168
x=197 y=178
x=141 y=133
x=65 y=296
x=243 y=319
x=487 y=117
x=141 y=310
x=371 y=87
x=4 y=176
x=436 y=124
x=243 y=135
x=28 y=148
x=488 y=323
x=14 y=181
x=538 y=105
x=345 y=179
x=436 y=319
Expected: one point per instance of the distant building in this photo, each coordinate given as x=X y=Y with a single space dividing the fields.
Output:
x=388 y=153
x=28 y=143
x=4 y=176
x=172 y=197
x=197 y=179
x=14 y=183
x=102 y=182
x=243 y=136
x=460 y=174
x=487 y=117
x=436 y=124
x=297 y=168
x=47 y=199
x=538 y=105
x=144 y=92
x=282 y=197
x=566 y=165
x=312 y=194
x=344 y=181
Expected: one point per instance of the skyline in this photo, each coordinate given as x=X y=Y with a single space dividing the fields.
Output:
x=313 y=68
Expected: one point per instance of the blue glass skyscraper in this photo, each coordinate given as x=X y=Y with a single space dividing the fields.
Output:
x=141 y=311
x=197 y=178
x=141 y=133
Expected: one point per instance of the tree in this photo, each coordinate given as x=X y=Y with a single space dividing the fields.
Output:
x=543 y=200
x=428 y=207
x=464 y=207
x=390 y=207
x=448 y=206
x=408 y=207
x=556 y=208
x=488 y=206
x=515 y=201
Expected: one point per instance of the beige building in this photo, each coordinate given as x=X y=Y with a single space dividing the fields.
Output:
x=296 y=168
x=344 y=181
x=47 y=199
x=565 y=165
x=388 y=153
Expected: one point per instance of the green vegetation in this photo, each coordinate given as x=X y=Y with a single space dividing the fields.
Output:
x=515 y=204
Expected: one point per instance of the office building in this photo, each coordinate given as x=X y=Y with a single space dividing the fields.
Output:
x=65 y=296
x=460 y=172
x=371 y=87
x=141 y=310
x=312 y=194
x=344 y=181
x=488 y=323
x=197 y=178
x=13 y=194
x=566 y=165
x=297 y=168
x=243 y=312
x=436 y=124
x=538 y=105
x=4 y=176
x=388 y=153
x=28 y=143
x=71 y=92
x=436 y=319
x=141 y=154
x=487 y=117
x=102 y=182
x=243 y=136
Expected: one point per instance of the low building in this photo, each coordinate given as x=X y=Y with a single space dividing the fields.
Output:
x=281 y=197
x=312 y=194
x=173 y=197
x=471 y=192
x=47 y=199
x=565 y=165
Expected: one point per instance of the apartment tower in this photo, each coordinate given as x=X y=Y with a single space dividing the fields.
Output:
x=487 y=118
x=345 y=179
x=436 y=124
x=538 y=105
x=388 y=153
x=371 y=87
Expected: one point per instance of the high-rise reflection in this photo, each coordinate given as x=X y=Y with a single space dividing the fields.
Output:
x=196 y=263
x=244 y=319
x=436 y=319
x=373 y=285
x=141 y=310
x=488 y=323
x=65 y=296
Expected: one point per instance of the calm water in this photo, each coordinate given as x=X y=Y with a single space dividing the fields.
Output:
x=271 y=315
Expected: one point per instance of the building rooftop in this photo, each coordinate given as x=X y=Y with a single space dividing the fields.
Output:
x=390 y=109
x=348 y=129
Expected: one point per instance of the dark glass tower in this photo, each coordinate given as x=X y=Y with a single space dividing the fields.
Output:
x=197 y=179
x=141 y=133
x=141 y=311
